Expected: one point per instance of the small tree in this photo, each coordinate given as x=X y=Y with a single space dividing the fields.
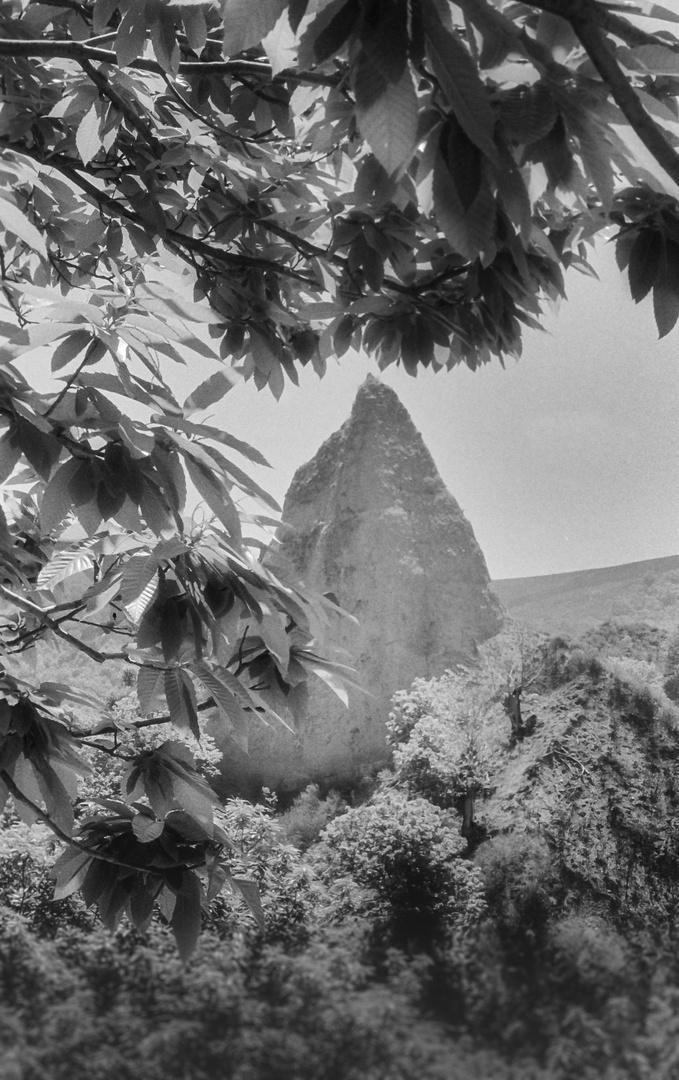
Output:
x=435 y=731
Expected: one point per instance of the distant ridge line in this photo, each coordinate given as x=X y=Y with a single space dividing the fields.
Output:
x=578 y=600
x=664 y=562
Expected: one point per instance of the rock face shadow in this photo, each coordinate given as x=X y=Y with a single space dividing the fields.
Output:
x=372 y=522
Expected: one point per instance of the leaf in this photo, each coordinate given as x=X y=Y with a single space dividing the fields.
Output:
x=460 y=82
x=186 y=916
x=58 y=692
x=146 y=829
x=148 y=680
x=250 y=894
x=112 y=904
x=195 y=26
x=101 y=14
x=140 y=571
x=101 y=876
x=15 y=222
x=196 y=800
x=70 y=871
x=63 y=565
x=280 y=45
x=210 y=391
x=207 y=432
x=211 y=488
x=469 y=229
x=10 y=452
x=70 y=347
x=164 y=41
x=142 y=899
x=332 y=679
x=131 y=36
x=328 y=31
x=644 y=261
x=224 y=697
x=57 y=799
x=181 y=701
x=651 y=10
x=245 y=23
x=657 y=59
x=666 y=289
x=56 y=500
x=41 y=450
x=87 y=136
x=527 y=113
x=386 y=113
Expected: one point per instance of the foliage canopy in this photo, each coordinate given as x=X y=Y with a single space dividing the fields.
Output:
x=249 y=188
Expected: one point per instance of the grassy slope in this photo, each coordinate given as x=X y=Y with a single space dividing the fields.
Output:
x=573 y=603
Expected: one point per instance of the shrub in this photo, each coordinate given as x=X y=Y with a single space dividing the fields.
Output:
x=589 y=959
x=671 y=688
x=91 y=1006
x=405 y=852
x=443 y=762
x=520 y=880
x=438 y=752
x=309 y=814
x=26 y=886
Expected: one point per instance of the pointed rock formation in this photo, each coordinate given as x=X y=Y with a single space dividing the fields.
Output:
x=373 y=523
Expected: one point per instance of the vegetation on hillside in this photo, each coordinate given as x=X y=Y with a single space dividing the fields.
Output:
x=643 y=592
x=389 y=945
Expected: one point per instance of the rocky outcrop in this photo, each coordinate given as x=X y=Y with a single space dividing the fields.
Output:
x=372 y=522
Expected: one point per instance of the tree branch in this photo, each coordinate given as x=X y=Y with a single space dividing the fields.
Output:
x=45 y=616
x=591 y=12
x=82 y=51
x=625 y=98
x=134 y=120
x=17 y=793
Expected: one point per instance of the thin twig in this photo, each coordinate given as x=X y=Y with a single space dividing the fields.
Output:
x=45 y=615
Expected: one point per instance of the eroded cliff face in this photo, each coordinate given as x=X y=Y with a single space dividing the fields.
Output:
x=372 y=522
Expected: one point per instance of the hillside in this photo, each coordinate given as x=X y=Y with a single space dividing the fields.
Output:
x=573 y=603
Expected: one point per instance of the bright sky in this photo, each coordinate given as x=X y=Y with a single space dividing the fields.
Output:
x=566 y=460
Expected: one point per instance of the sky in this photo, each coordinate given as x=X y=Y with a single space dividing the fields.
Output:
x=565 y=460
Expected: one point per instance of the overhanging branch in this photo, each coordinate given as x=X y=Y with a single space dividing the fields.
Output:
x=94 y=853
x=591 y=12
x=653 y=138
x=80 y=51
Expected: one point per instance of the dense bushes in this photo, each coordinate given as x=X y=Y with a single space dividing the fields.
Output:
x=520 y=880
x=383 y=949
x=309 y=814
x=96 y=1007
x=405 y=853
